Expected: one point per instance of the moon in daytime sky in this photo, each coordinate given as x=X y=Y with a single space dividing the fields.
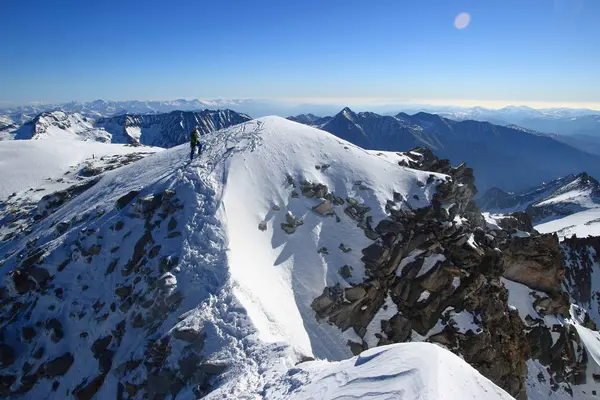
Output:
x=462 y=20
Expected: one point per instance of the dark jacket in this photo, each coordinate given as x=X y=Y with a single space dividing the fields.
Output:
x=194 y=138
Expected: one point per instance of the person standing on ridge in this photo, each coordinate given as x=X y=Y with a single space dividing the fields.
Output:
x=194 y=142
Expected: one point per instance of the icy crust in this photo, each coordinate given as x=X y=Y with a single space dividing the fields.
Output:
x=401 y=371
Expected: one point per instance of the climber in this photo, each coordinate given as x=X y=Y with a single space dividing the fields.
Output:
x=194 y=142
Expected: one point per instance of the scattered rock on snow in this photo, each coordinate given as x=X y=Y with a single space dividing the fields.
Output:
x=57 y=367
x=124 y=200
x=325 y=208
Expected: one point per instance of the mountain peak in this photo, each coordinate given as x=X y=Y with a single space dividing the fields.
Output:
x=277 y=232
x=347 y=112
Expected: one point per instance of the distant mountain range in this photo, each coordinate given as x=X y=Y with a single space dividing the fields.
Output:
x=562 y=121
x=168 y=130
x=161 y=130
x=579 y=124
x=512 y=158
x=108 y=108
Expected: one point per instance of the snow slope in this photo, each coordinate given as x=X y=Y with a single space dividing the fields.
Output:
x=61 y=125
x=419 y=371
x=26 y=164
x=276 y=273
x=243 y=292
x=583 y=224
x=568 y=206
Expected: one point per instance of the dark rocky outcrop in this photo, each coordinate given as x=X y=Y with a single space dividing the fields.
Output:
x=442 y=268
x=465 y=278
x=534 y=261
x=520 y=221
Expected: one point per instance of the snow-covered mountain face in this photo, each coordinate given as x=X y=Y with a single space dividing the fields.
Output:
x=58 y=124
x=568 y=205
x=162 y=130
x=167 y=130
x=562 y=121
x=498 y=154
x=106 y=108
x=281 y=243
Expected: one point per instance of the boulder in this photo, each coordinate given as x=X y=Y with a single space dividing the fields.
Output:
x=7 y=355
x=28 y=333
x=398 y=329
x=62 y=227
x=123 y=291
x=147 y=205
x=166 y=282
x=517 y=220
x=355 y=293
x=56 y=329
x=346 y=271
x=57 y=367
x=18 y=282
x=325 y=208
x=87 y=391
x=534 y=261
x=100 y=345
x=124 y=200
x=189 y=335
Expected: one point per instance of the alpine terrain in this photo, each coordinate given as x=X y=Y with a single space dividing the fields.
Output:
x=160 y=130
x=284 y=263
x=498 y=154
x=568 y=205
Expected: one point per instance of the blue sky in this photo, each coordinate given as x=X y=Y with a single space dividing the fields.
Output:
x=513 y=51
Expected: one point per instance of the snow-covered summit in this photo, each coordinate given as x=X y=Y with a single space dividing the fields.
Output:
x=223 y=277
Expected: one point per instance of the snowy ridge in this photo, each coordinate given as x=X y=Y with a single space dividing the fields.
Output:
x=175 y=290
x=497 y=153
x=225 y=276
x=108 y=108
x=60 y=125
x=414 y=371
x=568 y=205
x=167 y=130
x=160 y=130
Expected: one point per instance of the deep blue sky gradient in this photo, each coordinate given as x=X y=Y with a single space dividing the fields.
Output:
x=514 y=50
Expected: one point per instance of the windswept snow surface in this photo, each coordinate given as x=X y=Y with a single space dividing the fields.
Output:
x=416 y=371
x=26 y=164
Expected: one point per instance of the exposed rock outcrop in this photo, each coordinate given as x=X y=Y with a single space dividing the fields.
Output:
x=534 y=261
x=442 y=272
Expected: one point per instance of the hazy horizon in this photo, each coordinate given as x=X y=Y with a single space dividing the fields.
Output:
x=538 y=53
x=363 y=105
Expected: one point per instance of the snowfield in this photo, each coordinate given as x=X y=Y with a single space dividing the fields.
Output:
x=26 y=164
x=583 y=224
x=244 y=282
